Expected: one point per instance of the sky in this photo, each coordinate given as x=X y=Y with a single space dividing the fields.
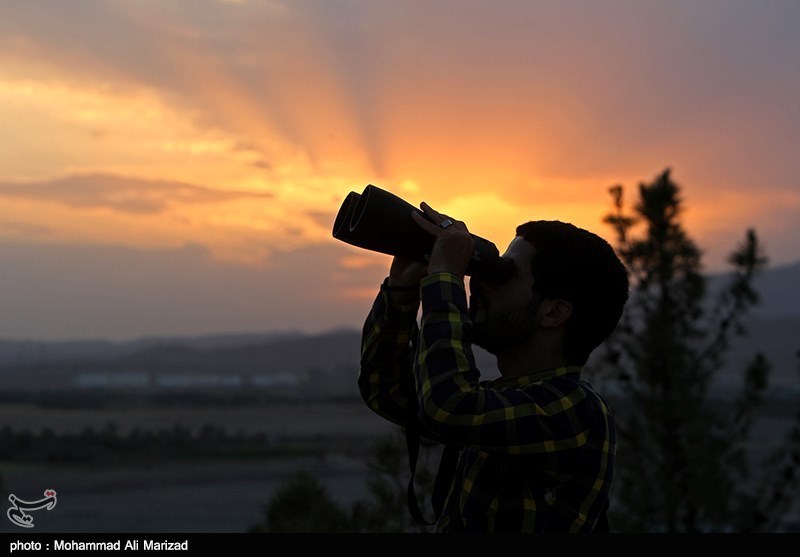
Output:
x=174 y=167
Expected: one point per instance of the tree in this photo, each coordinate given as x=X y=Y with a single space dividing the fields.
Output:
x=682 y=458
x=303 y=504
x=387 y=509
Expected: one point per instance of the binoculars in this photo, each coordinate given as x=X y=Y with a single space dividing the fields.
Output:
x=379 y=221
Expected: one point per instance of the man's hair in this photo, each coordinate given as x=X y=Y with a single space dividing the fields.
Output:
x=575 y=265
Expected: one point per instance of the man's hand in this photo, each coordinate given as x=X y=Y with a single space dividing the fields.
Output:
x=454 y=245
x=405 y=272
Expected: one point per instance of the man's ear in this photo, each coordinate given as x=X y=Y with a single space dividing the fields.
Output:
x=554 y=312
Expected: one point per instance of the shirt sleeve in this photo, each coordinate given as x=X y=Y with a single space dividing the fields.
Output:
x=387 y=354
x=454 y=405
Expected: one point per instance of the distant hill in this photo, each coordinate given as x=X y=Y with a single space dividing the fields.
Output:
x=32 y=352
x=780 y=292
x=329 y=362
x=778 y=288
x=316 y=362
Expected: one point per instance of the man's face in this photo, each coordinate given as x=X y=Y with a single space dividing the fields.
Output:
x=503 y=314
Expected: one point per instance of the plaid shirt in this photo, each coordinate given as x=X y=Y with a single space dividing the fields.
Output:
x=537 y=451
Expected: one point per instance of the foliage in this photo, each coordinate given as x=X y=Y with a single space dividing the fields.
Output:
x=682 y=459
x=303 y=503
x=387 y=511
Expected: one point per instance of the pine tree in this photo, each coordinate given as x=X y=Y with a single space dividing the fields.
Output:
x=682 y=458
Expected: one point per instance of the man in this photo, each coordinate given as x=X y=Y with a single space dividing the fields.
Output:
x=536 y=445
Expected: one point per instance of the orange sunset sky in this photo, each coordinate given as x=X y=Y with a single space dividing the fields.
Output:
x=174 y=167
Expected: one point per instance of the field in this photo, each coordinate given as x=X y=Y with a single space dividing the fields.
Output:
x=224 y=487
x=329 y=440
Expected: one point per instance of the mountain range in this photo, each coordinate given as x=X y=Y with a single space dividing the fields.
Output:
x=329 y=361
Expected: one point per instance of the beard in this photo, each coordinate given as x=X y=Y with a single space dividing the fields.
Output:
x=497 y=331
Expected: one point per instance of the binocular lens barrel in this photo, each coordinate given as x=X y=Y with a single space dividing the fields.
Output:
x=379 y=221
x=341 y=226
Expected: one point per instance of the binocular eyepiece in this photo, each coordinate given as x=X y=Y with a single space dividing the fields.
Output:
x=378 y=220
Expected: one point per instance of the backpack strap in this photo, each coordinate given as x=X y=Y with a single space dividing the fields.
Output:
x=602 y=526
x=442 y=483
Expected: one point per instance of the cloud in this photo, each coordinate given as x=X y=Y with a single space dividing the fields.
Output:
x=248 y=227
x=127 y=195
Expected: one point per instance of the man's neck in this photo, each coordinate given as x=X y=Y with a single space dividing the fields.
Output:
x=527 y=359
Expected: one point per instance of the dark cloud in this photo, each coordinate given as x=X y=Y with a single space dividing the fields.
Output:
x=127 y=195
